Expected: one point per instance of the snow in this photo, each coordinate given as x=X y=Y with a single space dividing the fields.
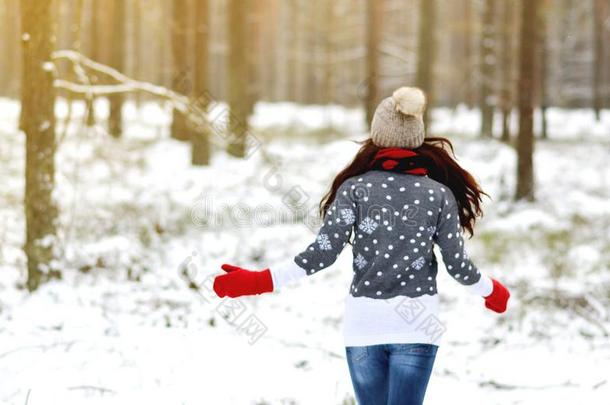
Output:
x=48 y=66
x=563 y=124
x=122 y=326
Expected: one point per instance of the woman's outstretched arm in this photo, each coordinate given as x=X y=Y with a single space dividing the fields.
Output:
x=329 y=242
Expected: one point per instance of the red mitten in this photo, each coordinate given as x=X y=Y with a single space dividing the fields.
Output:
x=238 y=282
x=497 y=300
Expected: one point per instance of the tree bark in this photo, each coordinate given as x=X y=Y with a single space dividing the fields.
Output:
x=426 y=52
x=527 y=72
x=200 y=142
x=374 y=22
x=38 y=124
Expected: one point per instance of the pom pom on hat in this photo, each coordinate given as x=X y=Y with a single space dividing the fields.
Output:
x=398 y=119
x=410 y=100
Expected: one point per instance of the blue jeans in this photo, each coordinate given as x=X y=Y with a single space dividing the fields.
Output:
x=391 y=374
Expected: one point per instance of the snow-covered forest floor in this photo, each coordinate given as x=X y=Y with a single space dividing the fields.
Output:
x=123 y=326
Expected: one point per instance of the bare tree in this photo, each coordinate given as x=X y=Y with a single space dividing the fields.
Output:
x=119 y=14
x=527 y=72
x=487 y=68
x=200 y=142
x=238 y=78
x=543 y=50
x=181 y=77
x=598 y=56
x=468 y=60
x=4 y=62
x=328 y=51
x=506 y=67
x=295 y=33
x=426 y=51
x=137 y=45
x=254 y=46
x=38 y=124
x=94 y=52
x=373 y=38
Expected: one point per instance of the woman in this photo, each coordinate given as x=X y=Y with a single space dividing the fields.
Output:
x=400 y=195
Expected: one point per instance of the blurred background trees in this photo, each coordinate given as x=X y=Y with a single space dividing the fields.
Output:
x=312 y=53
x=504 y=58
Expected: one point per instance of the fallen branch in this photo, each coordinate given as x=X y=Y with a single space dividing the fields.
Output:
x=102 y=390
x=504 y=386
x=125 y=84
x=68 y=345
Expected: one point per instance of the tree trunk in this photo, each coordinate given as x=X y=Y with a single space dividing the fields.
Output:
x=506 y=68
x=543 y=69
x=605 y=13
x=238 y=80
x=291 y=62
x=181 y=83
x=487 y=67
x=374 y=21
x=426 y=52
x=598 y=57
x=328 y=53
x=115 y=119
x=38 y=124
x=137 y=46
x=253 y=46
x=470 y=92
x=9 y=46
x=298 y=51
x=527 y=72
x=75 y=41
x=270 y=29
x=200 y=142
x=95 y=54
x=4 y=62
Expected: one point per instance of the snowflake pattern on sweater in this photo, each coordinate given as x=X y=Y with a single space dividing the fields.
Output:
x=393 y=220
x=324 y=242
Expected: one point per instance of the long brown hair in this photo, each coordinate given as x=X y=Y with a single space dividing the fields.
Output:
x=442 y=167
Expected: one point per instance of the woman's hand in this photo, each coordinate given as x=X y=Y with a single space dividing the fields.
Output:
x=497 y=300
x=238 y=282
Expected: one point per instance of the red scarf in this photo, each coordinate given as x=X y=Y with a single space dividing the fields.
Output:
x=400 y=160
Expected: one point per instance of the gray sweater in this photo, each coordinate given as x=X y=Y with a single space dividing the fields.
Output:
x=395 y=219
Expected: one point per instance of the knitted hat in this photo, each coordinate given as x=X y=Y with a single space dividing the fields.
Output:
x=398 y=120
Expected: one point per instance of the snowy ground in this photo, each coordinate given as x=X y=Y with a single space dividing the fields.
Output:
x=123 y=326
